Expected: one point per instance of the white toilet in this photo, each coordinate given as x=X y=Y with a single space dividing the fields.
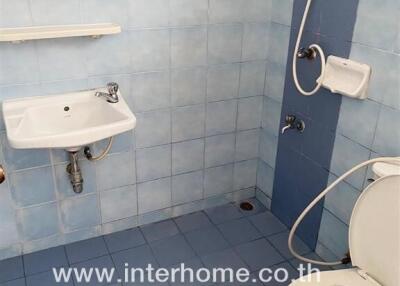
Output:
x=374 y=240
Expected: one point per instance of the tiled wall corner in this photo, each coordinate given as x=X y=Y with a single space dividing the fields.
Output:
x=275 y=73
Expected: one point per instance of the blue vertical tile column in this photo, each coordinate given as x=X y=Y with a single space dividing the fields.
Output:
x=303 y=159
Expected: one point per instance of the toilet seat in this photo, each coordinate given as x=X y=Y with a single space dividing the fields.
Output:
x=374 y=235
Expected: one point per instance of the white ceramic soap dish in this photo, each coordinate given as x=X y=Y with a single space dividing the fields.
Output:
x=346 y=77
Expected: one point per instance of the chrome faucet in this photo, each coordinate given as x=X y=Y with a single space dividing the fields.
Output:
x=112 y=95
x=292 y=123
x=289 y=120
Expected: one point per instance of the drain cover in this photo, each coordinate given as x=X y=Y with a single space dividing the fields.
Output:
x=246 y=206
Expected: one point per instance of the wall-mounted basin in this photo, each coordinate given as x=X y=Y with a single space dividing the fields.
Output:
x=67 y=121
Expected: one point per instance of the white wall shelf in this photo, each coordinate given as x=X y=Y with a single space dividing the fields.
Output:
x=17 y=35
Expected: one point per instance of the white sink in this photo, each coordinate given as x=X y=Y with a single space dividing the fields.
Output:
x=67 y=121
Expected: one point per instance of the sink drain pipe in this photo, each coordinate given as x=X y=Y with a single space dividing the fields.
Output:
x=73 y=169
x=75 y=174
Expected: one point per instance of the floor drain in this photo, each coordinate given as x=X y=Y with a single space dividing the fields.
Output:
x=246 y=206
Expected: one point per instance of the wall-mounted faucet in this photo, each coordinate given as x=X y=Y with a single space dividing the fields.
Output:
x=292 y=123
x=289 y=120
x=112 y=95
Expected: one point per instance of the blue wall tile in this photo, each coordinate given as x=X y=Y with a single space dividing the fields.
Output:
x=252 y=79
x=221 y=117
x=15 y=14
x=18 y=71
x=255 y=41
x=245 y=174
x=357 y=120
x=17 y=159
x=188 y=47
x=333 y=234
x=151 y=91
x=61 y=59
x=193 y=12
x=223 y=82
x=247 y=143
x=118 y=203
x=218 y=180
x=62 y=13
x=149 y=49
x=33 y=186
x=265 y=178
x=268 y=147
x=370 y=24
x=188 y=86
x=153 y=163
x=219 y=150
x=249 y=112
x=153 y=128
x=224 y=43
x=225 y=11
x=282 y=11
x=188 y=122
x=8 y=225
x=187 y=156
x=387 y=136
x=154 y=195
x=187 y=187
x=103 y=11
x=80 y=212
x=115 y=170
x=47 y=215
x=148 y=13
x=347 y=154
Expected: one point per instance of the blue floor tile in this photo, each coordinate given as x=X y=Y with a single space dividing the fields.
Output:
x=138 y=257
x=206 y=240
x=159 y=230
x=293 y=275
x=225 y=259
x=210 y=234
x=17 y=282
x=267 y=223
x=239 y=231
x=124 y=240
x=45 y=279
x=258 y=254
x=172 y=250
x=253 y=280
x=195 y=264
x=86 y=249
x=280 y=242
x=104 y=262
x=11 y=269
x=223 y=213
x=296 y=263
x=44 y=260
x=257 y=207
x=193 y=221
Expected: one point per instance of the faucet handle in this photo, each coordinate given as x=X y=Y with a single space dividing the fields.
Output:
x=112 y=88
x=290 y=119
